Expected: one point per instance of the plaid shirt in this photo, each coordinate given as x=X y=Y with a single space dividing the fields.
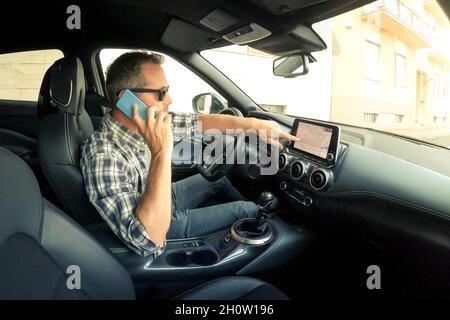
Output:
x=115 y=163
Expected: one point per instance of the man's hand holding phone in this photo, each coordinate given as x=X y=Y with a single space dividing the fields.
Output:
x=157 y=132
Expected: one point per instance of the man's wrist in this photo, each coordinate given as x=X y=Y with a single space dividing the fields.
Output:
x=162 y=156
x=252 y=124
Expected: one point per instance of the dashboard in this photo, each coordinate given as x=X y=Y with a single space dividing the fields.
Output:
x=368 y=165
x=384 y=193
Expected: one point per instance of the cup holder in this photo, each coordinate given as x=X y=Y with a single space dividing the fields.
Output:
x=198 y=257
x=204 y=257
x=178 y=259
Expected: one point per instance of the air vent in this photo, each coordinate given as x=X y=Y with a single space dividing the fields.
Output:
x=282 y=161
x=319 y=179
x=297 y=170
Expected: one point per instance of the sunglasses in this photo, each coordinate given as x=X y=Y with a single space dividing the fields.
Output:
x=161 y=92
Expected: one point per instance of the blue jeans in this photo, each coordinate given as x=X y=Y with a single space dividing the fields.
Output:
x=188 y=193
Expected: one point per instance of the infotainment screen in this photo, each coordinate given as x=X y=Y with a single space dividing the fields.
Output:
x=317 y=139
x=313 y=139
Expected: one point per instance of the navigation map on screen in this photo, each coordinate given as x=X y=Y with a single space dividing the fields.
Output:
x=314 y=139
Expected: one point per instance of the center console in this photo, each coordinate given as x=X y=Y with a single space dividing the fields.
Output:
x=308 y=167
x=217 y=254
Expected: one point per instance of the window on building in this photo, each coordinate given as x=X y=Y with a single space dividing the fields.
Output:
x=436 y=85
x=400 y=70
x=370 y=117
x=445 y=88
x=399 y=118
x=21 y=73
x=435 y=120
x=422 y=82
x=372 y=61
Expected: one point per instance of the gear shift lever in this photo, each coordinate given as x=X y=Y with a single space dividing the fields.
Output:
x=265 y=200
x=258 y=227
x=266 y=203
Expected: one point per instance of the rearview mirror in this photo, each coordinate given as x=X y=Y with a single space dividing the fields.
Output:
x=291 y=66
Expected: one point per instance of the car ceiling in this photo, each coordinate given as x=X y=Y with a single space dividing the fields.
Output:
x=138 y=23
x=445 y=5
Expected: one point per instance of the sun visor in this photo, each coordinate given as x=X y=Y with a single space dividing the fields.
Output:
x=182 y=36
x=300 y=39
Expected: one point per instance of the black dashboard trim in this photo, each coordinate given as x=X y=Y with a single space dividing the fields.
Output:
x=389 y=198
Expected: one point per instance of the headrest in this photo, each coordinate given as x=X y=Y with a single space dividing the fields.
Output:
x=20 y=197
x=63 y=88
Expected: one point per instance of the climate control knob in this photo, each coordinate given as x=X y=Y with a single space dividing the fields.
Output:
x=308 y=201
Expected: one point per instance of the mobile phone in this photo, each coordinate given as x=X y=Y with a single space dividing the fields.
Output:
x=126 y=101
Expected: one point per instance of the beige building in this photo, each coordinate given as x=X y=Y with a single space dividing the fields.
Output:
x=391 y=63
x=22 y=73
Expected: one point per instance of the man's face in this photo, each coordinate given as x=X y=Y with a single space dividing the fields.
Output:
x=155 y=79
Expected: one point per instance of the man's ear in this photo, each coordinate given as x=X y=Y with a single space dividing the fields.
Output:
x=120 y=94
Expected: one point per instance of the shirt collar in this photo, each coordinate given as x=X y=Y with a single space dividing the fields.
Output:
x=122 y=133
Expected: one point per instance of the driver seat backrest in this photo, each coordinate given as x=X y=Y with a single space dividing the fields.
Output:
x=41 y=248
x=64 y=125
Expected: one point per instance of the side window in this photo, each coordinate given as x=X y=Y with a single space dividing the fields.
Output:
x=21 y=73
x=189 y=92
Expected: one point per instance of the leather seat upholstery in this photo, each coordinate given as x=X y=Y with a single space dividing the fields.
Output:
x=64 y=125
x=38 y=243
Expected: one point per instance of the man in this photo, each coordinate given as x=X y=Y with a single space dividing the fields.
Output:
x=127 y=164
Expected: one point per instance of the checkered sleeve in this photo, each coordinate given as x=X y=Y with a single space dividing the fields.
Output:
x=185 y=125
x=109 y=187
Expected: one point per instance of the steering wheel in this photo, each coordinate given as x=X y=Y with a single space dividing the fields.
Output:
x=232 y=111
x=214 y=156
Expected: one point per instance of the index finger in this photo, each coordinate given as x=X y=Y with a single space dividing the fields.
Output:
x=288 y=136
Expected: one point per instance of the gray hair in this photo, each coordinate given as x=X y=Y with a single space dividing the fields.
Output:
x=125 y=72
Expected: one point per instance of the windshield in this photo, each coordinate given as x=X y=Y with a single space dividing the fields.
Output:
x=387 y=67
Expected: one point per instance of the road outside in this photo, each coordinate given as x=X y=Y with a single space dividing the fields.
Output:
x=437 y=135
x=443 y=141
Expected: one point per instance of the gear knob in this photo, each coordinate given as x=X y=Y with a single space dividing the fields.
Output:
x=265 y=200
